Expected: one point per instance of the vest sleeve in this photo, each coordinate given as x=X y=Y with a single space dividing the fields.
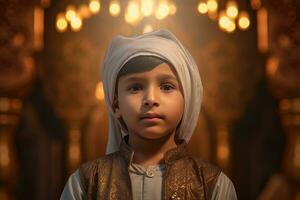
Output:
x=224 y=189
x=73 y=189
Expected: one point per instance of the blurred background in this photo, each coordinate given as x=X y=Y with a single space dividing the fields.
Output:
x=52 y=112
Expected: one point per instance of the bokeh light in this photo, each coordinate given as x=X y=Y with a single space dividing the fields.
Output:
x=114 y=8
x=76 y=23
x=84 y=11
x=147 y=7
x=172 y=8
x=244 y=21
x=224 y=20
x=232 y=9
x=148 y=28
x=132 y=15
x=162 y=10
x=61 y=23
x=202 y=8
x=70 y=12
x=212 y=5
x=231 y=27
x=94 y=6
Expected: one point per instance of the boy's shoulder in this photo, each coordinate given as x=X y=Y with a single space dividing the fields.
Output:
x=91 y=167
x=207 y=169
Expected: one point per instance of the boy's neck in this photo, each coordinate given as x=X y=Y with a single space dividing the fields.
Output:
x=150 y=151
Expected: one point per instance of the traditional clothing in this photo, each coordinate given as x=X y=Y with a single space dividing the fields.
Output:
x=180 y=177
x=114 y=176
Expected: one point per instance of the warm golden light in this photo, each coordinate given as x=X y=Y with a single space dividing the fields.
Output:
x=76 y=23
x=129 y=19
x=224 y=20
x=114 y=8
x=133 y=10
x=272 y=65
x=172 y=8
x=70 y=12
x=244 y=21
x=94 y=6
x=231 y=27
x=84 y=11
x=232 y=9
x=202 y=8
x=162 y=10
x=223 y=152
x=133 y=13
x=61 y=23
x=223 y=147
x=38 y=28
x=148 y=28
x=226 y=23
x=74 y=151
x=146 y=7
x=262 y=30
x=212 y=5
x=99 y=91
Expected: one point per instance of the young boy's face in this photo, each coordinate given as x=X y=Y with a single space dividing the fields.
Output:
x=150 y=103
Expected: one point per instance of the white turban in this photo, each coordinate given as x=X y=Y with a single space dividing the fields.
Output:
x=162 y=44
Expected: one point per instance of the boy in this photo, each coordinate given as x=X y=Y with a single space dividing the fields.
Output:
x=153 y=91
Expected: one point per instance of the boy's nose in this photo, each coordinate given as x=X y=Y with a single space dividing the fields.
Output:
x=150 y=98
x=150 y=102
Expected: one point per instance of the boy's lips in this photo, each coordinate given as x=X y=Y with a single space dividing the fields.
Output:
x=151 y=116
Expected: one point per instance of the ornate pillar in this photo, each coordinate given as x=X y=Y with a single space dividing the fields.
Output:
x=16 y=74
x=70 y=76
x=283 y=72
x=228 y=86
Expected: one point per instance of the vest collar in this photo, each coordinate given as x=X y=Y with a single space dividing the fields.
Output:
x=170 y=156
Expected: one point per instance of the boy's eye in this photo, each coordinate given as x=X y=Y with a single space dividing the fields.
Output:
x=134 y=88
x=167 y=87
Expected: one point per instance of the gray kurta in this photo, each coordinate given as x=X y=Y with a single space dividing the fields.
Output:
x=147 y=185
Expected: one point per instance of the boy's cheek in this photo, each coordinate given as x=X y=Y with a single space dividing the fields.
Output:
x=133 y=100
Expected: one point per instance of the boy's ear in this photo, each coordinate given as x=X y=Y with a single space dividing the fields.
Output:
x=116 y=108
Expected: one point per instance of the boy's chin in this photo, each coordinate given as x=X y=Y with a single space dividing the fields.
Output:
x=154 y=135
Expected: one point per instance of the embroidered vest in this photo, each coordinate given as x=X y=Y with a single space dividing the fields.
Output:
x=185 y=177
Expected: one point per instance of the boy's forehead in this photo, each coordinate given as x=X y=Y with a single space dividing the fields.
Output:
x=140 y=64
x=161 y=71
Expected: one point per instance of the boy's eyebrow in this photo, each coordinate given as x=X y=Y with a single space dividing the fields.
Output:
x=167 y=76
x=132 y=78
x=160 y=77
